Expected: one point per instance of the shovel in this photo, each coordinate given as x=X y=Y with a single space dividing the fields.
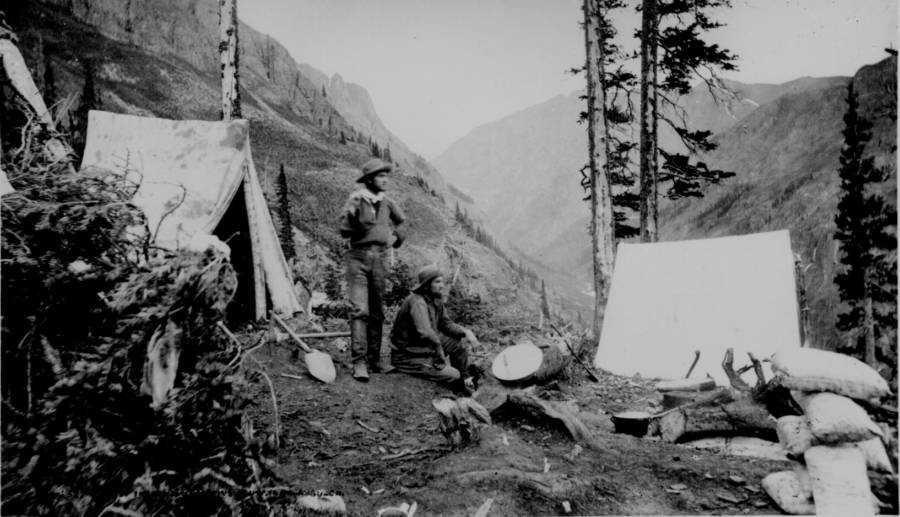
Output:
x=318 y=363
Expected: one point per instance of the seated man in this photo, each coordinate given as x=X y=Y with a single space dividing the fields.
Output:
x=423 y=338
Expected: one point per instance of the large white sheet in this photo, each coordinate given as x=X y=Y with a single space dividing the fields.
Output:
x=669 y=299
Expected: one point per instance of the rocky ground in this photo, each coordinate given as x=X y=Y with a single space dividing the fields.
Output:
x=378 y=445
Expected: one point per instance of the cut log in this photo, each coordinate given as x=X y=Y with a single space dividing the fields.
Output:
x=526 y=363
x=552 y=365
x=743 y=416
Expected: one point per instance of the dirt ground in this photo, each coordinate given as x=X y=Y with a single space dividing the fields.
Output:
x=347 y=438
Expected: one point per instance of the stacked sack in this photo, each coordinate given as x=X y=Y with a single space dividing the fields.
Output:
x=835 y=437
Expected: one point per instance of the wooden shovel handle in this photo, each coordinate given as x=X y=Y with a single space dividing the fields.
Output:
x=291 y=333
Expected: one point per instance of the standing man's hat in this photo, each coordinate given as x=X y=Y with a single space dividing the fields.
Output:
x=372 y=167
x=426 y=275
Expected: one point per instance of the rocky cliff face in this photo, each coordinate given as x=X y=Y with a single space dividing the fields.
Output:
x=188 y=30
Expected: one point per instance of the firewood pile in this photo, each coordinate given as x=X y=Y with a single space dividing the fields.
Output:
x=836 y=443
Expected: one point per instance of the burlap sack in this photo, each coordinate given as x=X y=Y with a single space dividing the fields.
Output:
x=809 y=369
x=840 y=485
x=876 y=455
x=836 y=419
x=794 y=435
x=790 y=492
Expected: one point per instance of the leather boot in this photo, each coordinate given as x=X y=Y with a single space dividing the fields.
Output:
x=360 y=372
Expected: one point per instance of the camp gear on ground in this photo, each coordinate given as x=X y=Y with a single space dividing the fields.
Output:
x=790 y=492
x=318 y=363
x=635 y=423
x=707 y=295
x=837 y=419
x=794 y=434
x=197 y=177
x=840 y=485
x=372 y=167
x=517 y=363
x=809 y=369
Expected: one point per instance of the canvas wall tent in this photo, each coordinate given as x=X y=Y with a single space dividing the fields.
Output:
x=209 y=165
x=669 y=299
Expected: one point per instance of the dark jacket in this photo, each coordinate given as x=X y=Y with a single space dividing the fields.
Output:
x=417 y=328
x=365 y=223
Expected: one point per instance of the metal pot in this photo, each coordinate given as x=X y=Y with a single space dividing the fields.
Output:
x=635 y=423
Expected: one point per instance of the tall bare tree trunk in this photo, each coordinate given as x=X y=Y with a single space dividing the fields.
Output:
x=869 y=325
x=648 y=145
x=229 y=59
x=602 y=226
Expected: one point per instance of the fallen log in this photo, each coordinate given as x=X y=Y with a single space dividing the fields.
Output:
x=743 y=416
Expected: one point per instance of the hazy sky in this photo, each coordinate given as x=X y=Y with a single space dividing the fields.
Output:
x=437 y=69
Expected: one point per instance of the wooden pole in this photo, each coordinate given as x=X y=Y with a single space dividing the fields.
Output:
x=229 y=59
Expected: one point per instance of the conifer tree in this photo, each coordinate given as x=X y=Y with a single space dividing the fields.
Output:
x=285 y=235
x=866 y=231
x=673 y=54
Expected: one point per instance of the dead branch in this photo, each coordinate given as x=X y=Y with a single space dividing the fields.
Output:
x=733 y=377
x=262 y=370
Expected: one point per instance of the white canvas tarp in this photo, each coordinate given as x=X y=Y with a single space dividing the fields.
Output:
x=189 y=172
x=669 y=299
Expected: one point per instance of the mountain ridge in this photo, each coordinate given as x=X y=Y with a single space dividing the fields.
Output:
x=540 y=212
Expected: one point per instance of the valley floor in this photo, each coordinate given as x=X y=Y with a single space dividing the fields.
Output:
x=349 y=438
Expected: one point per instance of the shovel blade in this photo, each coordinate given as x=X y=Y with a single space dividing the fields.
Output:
x=320 y=366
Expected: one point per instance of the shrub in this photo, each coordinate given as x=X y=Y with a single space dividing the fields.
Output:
x=84 y=293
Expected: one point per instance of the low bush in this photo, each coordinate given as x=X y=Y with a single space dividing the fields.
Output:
x=84 y=293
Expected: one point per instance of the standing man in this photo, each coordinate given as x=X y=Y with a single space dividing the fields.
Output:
x=367 y=220
x=424 y=340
